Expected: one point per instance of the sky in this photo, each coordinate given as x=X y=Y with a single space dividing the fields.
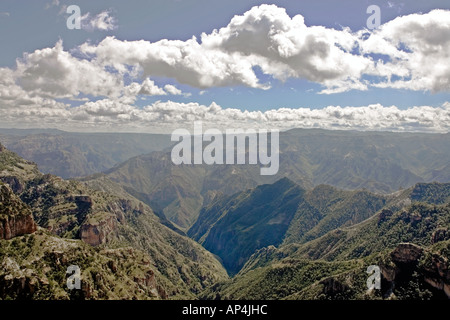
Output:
x=154 y=66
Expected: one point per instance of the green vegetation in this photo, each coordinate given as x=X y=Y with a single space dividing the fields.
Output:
x=417 y=224
x=11 y=163
x=435 y=193
x=10 y=204
x=235 y=227
x=280 y=237
x=378 y=162
x=326 y=208
x=249 y=221
x=279 y=280
x=34 y=267
x=333 y=266
x=71 y=210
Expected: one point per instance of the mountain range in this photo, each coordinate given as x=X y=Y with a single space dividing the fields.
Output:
x=80 y=226
x=382 y=162
x=147 y=229
x=73 y=154
x=409 y=241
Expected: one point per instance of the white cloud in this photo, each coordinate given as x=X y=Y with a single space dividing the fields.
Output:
x=116 y=115
x=4 y=14
x=419 y=49
x=265 y=36
x=185 y=61
x=102 y=21
x=147 y=87
x=14 y=99
x=285 y=47
x=53 y=72
x=172 y=89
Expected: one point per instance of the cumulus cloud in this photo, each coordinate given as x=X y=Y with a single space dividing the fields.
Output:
x=163 y=117
x=418 y=46
x=103 y=21
x=14 y=100
x=185 y=61
x=416 y=50
x=172 y=89
x=53 y=72
x=265 y=36
x=147 y=87
x=285 y=47
x=56 y=73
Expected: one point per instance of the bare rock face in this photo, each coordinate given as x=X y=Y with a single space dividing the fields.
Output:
x=434 y=269
x=97 y=233
x=406 y=253
x=13 y=227
x=437 y=273
x=102 y=226
x=16 y=218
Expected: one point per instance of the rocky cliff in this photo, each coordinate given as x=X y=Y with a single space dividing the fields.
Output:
x=431 y=267
x=161 y=264
x=34 y=267
x=16 y=218
x=98 y=231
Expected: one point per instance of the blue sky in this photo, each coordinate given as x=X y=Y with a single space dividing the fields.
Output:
x=26 y=26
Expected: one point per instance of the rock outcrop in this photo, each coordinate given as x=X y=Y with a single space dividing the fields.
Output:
x=16 y=218
x=437 y=273
x=406 y=253
x=98 y=232
x=110 y=274
x=432 y=267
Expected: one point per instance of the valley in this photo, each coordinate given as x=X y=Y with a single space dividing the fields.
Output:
x=382 y=162
x=148 y=229
x=224 y=158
